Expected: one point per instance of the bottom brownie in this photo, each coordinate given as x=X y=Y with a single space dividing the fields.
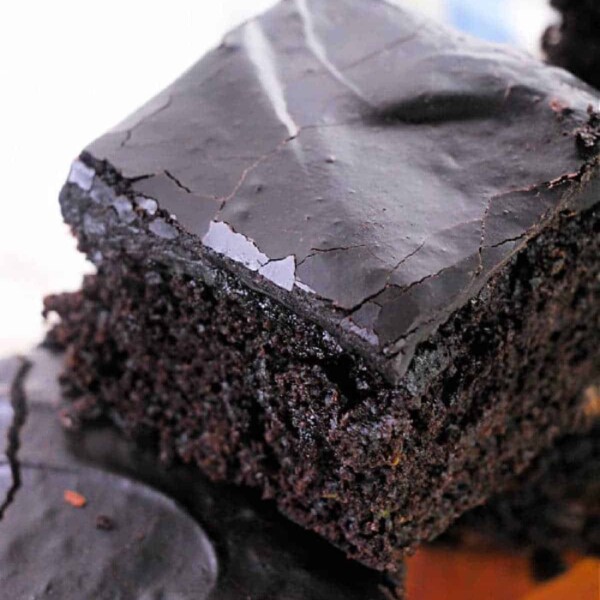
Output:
x=83 y=514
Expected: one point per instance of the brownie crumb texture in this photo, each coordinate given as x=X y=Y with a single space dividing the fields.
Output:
x=555 y=505
x=105 y=523
x=588 y=136
x=223 y=377
x=145 y=531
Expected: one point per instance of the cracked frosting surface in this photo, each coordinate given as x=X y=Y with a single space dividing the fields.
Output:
x=355 y=153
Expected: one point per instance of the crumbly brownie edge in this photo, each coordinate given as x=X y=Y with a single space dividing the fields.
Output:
x=270 y=400
x=554 y=506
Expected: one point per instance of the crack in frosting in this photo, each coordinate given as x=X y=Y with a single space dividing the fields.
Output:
x=400 y=171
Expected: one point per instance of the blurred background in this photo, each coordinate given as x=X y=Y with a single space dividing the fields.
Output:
x=72 y=69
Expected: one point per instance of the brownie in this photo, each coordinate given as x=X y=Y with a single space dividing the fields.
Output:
x=349 y=258
x=90 y=516
x=555 y=505
x=574 y=43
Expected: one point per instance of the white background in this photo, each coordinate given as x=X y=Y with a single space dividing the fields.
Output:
x=70 y=69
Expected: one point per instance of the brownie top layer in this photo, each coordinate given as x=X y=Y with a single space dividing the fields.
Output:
x=366 y=166
x=84 y=514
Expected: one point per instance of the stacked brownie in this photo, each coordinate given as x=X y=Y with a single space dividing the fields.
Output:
x=575 y=42
x=349 y=258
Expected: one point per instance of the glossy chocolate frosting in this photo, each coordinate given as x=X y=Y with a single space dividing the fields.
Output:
x=361 y=162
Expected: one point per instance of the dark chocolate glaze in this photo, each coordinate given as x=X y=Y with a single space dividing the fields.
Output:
x=374 y=164
x=145 y=532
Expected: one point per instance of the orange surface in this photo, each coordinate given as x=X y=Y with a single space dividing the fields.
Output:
x=581 y=583
x=445 y=574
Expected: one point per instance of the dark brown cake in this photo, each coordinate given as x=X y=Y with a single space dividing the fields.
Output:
x=575 y=43
x=554 y=507
x=91 y=517
x=362 y=277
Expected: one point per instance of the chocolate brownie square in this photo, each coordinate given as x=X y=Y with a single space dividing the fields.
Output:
x=349 y=258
